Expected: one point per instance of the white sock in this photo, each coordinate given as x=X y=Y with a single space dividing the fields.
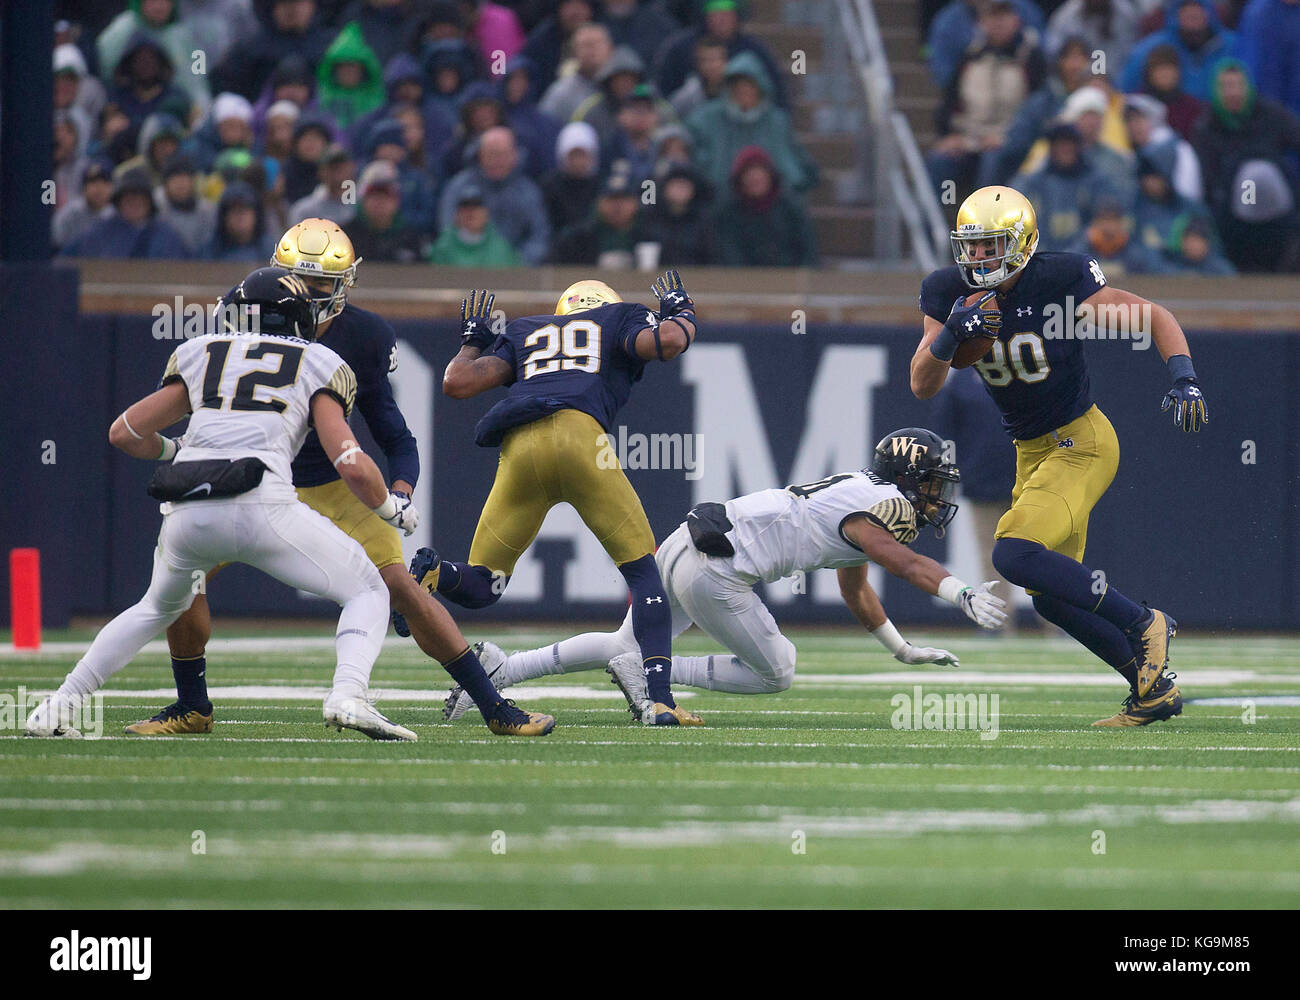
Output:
x=360 y=636
x=723 y=672
x=589 y=651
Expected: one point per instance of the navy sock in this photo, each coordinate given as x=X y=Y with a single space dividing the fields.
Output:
x=1034 y=567
x=470 y=586
x=191 y=681
x=466 y=671
x=652 y=625
x=1103 y=640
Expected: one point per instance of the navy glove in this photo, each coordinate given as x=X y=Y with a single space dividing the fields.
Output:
x=476 y=320
x=671 y=295
x=1185 y=397
x=965 y=322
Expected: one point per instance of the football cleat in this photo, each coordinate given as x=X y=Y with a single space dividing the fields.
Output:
x=53 y=717
x=1150 y=644
x=174 y=720
x=626 y=672
x=493 y=659
x=1163 y=702
x=508 y=719
x=399 y=624
x=660 y=714
x=343 y=712
x=424 y=567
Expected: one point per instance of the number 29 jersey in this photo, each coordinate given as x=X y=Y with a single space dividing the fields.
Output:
x=250 y=396
x=584 y=361
x=1035 y=371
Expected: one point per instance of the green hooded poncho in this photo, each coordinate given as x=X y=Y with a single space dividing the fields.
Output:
x=346 y=105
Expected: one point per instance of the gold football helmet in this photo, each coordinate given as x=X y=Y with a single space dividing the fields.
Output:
x=1001 y=214
x=318 y=248
x=587 y=294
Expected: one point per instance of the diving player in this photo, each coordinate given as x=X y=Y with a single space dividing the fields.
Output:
x=1066 y=449
x=569 y=374
x=253 y=394
x=712 y=562
x=322 y=255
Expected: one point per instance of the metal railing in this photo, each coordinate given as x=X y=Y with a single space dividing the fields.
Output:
x=904 y=196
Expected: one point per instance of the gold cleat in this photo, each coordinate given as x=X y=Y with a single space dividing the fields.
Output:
x=661 y=715
x=1151 y=647
x=511 y=720
x=174 y=720
x=1164 y=702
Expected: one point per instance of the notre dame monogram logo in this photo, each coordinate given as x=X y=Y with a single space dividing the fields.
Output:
x=908 y=446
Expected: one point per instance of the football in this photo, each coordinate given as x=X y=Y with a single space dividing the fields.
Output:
x=970 y=351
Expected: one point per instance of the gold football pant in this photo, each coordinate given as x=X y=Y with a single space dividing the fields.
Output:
x=1059 y=479
x=379 y=538
x=565 y=457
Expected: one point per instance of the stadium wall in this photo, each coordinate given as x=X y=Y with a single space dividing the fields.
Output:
x=1203 y=525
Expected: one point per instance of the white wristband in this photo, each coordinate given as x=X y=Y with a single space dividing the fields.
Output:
x=950 y=590
x=888 y=637
x=386 y=509
x=169 y=449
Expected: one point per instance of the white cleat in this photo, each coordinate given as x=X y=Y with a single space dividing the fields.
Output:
x=343 y=712
x=53 y=717
x=626 y=672
x=493 y=659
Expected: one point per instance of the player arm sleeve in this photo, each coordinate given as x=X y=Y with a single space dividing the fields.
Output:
x=895 y=515
x=172 y=373
x=934 y=302
x=342 y=385
x=384 y=419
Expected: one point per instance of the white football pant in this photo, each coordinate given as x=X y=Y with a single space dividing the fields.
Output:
x=701 y=590
x=288 y=541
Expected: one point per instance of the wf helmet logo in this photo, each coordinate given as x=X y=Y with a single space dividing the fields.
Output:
x=908 y=446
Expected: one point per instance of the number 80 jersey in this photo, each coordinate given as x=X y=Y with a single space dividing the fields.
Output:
x=583 y=361
x=250 y=396
x=1036 y=371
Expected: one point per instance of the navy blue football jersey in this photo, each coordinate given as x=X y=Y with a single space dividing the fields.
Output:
x=367 y=343
x=584 y=361
x=1035 y=374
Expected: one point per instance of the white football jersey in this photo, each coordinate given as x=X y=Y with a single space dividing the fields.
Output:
x=779 y=532
x=250 y=395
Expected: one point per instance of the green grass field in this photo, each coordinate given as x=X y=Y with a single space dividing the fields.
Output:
x=1202 y=811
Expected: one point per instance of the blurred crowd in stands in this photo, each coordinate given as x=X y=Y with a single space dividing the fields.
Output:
x=617 y=133
x=1161 y=136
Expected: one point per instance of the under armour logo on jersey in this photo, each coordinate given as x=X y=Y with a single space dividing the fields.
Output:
x=654 y=600
x=1024 y=311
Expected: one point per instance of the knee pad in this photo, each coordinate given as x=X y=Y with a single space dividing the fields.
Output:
x=1011 y=558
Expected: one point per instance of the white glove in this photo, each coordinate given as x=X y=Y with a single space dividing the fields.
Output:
x=926 y=654
x=399 y=511
x=982 y=606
